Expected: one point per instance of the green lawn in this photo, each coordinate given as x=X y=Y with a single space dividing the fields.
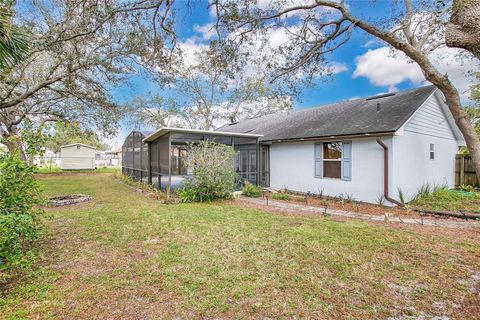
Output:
x=124 y=256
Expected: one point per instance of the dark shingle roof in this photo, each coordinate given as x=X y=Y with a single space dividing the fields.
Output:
x=359 y=116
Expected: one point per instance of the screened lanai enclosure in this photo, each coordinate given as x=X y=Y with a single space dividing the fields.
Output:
x=159 y=157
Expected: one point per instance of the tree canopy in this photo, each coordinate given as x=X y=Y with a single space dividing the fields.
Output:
x=68 y=133
x=79 y=51
x=315 y=29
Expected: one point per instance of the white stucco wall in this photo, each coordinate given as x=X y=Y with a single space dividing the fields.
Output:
x=412 y=166
x=292 y=167
x=72 y=158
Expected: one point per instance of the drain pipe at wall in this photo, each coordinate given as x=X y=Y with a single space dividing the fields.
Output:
x=385 y=174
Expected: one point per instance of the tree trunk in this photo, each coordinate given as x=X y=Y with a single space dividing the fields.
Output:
x=13 y=143
x=463 y=29
x=440 y=81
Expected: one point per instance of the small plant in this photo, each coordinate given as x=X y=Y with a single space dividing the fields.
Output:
x=356 y=206
x=325 y=206
x=401 y=196
x=349 y=197
x=251 y=190
x=466 y=188
x=424 y=191
x=320 y=193
x=381 y=200
x=281 y=196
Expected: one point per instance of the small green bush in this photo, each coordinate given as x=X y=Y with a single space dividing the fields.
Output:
x=281 y=196
x=441 y=198
x=251 y=190
x=213 y=175
x=20 y=222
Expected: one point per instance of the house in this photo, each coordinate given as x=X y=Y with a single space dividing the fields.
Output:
x=77 y=156
x=366 y=148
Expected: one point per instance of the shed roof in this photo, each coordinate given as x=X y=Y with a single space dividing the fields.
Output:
x=78 y=144
x=375 y=115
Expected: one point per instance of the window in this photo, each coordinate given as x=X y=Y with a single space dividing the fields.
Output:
x=78 y=147
x=432 y=151
x=332 y=160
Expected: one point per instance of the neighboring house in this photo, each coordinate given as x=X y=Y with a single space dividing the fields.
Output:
x=77 y=156
x=363 y=148
x=345 y=148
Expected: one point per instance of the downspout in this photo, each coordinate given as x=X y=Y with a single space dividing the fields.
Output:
x=385 y=174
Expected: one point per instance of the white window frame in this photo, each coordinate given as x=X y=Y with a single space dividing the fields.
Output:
x=332 y=160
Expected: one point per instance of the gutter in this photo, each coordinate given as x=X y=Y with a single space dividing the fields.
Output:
x=331 y=138
x=385 y=174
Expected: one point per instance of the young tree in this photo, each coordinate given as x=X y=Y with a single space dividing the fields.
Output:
x=319 y=27
x=79 y=50
x=463 y=29
x=210 y=94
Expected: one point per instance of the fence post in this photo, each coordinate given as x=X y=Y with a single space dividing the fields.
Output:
x=462 y=170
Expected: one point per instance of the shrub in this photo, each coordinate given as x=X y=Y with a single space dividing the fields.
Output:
x=20 y=196
x=213 y=175
x=466 y=188
x=251 y=190
x=281 y=196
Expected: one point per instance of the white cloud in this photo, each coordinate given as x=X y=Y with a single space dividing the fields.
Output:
x=207 y=31
x=382 y=68
x=336 y=67
x=189 y=49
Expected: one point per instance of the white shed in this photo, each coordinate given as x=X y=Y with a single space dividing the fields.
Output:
x=77 y=156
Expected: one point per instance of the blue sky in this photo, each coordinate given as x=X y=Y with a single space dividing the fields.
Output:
x=364 y=67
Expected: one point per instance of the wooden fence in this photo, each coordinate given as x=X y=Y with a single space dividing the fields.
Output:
x=464 y=171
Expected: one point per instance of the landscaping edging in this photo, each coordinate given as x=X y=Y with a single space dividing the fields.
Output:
x=292 y=207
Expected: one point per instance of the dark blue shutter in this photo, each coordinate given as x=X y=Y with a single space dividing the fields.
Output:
x=347 y=160
x=318 y=160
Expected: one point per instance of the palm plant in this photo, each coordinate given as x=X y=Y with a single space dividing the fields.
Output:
x=13 y=41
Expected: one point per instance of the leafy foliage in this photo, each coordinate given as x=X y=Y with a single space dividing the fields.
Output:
x=19 y=216
x=251 y=190
x=13 y=40
x=441 y=198
x=67 y=133
x=281 y=196
x=213 y=174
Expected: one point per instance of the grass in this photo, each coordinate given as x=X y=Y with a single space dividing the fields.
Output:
x=57 y=170
x=127 y=256
x=443 y=199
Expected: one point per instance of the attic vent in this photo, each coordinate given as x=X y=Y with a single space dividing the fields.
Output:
x=380 y=96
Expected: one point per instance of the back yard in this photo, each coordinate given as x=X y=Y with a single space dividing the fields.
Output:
x=126 y=256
